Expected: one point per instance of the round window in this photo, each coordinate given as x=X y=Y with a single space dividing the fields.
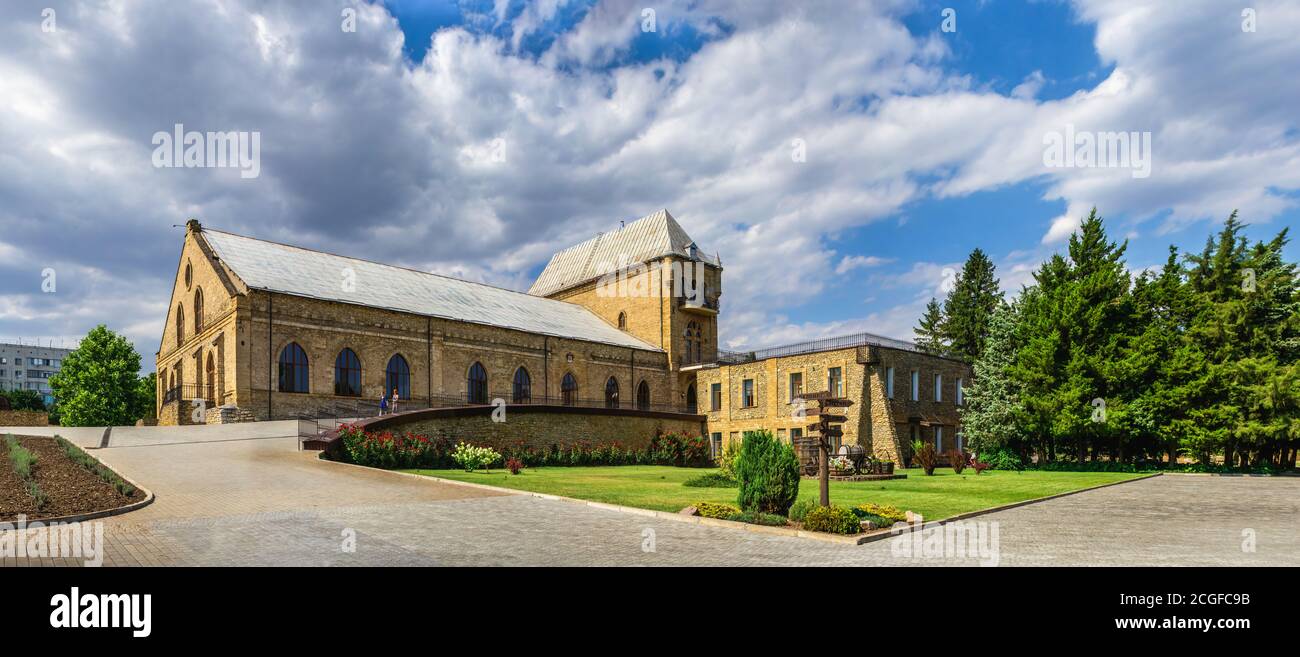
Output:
x=189 y=275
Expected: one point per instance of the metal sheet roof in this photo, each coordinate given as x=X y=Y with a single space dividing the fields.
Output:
x=647 y=238
x=294 y=270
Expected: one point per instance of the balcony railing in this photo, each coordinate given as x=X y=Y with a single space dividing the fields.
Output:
x=190 y=391
x=711 y=306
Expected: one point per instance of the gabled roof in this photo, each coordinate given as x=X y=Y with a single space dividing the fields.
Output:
x=645 y=239
x=303 y=272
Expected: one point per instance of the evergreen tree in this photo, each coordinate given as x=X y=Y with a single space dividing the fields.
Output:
x=993 y=417
x=1078 y=324
x=929 y=333
x=969 y=307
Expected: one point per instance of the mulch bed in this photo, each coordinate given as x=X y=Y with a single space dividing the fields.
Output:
x=72 y=489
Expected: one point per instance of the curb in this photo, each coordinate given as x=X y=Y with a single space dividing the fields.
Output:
x=95 y=515
x=850 y=539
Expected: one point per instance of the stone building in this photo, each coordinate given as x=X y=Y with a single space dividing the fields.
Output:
x=899 y=393
x=261 y=330
x=627 y=319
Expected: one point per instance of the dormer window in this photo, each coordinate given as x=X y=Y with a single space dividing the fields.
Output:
x=693 y=251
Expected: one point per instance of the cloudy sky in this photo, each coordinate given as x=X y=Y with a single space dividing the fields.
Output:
x=839 y=156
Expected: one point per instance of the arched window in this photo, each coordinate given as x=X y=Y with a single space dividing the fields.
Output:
x=643 y=396
x=692 y=403
x=397 y=376
x=622 y=321
x=692 y=343
x=523 y=392
x=569 y=390
x=180 y=325
x=611 y=393
x=211 y=393
x=476 y=389
x=293 y=369
x=347 y=374
x=198 y=311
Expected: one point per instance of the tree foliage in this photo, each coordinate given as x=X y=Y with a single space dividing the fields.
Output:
x=98 y=383
x=1198 y=357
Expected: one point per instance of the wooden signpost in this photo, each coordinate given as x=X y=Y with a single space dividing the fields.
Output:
x=825 y=428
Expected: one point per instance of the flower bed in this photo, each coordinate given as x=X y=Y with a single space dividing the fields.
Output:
x=385 y=449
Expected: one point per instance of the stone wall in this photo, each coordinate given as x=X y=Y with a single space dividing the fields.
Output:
x=540 y=427
x=24 y=419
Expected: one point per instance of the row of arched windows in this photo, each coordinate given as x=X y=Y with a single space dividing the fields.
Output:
x=198 y=317
x=295 y=369
x=294 y=377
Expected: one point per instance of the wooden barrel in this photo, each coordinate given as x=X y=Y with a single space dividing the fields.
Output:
x=855 y=453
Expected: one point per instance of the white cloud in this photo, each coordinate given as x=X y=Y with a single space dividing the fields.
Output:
x=849 y=263
x=366 y=155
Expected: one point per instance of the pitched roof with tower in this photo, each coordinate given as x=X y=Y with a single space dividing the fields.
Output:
x=648 y=238
x=303 y=272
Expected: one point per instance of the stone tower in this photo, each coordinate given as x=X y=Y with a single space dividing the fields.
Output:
x=651 y=279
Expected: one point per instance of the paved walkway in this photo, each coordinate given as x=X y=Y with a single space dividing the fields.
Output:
x=229 y=496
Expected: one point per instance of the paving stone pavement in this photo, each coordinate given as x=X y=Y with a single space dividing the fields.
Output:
x=258 y=501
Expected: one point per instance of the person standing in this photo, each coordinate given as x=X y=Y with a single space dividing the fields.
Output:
x=383 y=404
x=392 y=407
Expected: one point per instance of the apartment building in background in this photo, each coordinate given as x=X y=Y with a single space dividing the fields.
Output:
x=29 y=367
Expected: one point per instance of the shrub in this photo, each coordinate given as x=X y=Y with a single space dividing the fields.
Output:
x=23 y=460
x=711 y=480
x=514 y=465
x=768 y=472
x=879 y=522
x=727 y=459
x=388 y=450
x=924 y=454
x=24 y=400
x=832 y=519
x=715 y=510
x=1003 y=459
x=800 y=510
x=957 y=459
x=891 y=513
x=759 y=518
x=471 y=457
x=80 y=457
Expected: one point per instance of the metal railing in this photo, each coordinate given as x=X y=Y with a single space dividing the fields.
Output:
x=714 y=304
x=622 y=402
x=813 y=346
x=190 y=391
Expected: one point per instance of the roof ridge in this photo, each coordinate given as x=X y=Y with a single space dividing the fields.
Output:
x=374 y=262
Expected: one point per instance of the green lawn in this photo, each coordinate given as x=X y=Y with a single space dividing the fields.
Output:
x=660 y=487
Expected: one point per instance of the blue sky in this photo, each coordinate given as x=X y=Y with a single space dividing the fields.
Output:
x=920 y=144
